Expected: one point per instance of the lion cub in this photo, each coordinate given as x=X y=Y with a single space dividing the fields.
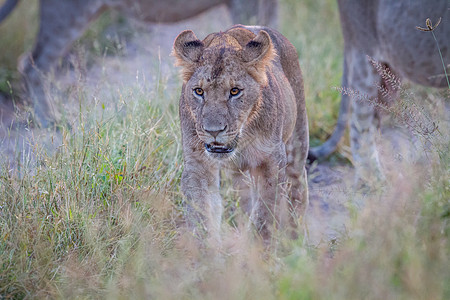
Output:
x=242 y=110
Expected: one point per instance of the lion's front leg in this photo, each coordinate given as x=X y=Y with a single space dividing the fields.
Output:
x=202 y=200
x=269 y=201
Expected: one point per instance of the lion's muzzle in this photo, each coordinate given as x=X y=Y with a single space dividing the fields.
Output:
x=217 y=139
x=216 y=130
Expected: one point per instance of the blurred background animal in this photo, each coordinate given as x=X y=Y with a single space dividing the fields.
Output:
x=63 y=22
x=381 y=46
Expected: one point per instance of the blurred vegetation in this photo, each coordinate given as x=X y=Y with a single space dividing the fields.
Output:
x=99 y=218
x=313 y=27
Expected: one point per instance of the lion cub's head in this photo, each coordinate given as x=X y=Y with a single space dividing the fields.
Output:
x=224 y=76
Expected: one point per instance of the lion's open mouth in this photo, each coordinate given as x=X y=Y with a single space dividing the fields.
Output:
x=218 y=148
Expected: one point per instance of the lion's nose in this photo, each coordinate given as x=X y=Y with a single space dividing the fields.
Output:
x=215 y=130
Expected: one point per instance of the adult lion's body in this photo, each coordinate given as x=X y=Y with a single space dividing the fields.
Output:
x=387 y=32
x=64 y=21
x=242 y=109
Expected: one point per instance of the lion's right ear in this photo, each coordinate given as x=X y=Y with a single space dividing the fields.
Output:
x=187 y=49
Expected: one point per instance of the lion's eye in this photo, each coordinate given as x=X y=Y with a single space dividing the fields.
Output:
x=199 y=91
x=235 y=91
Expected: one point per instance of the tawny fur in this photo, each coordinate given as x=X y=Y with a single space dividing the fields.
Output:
x=265 y=124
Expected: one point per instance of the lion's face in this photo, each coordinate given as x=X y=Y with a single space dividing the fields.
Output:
x=223 y=87
x=220 y=103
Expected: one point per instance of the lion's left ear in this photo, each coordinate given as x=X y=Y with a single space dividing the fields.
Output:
x=188 y=49
x=257 y=55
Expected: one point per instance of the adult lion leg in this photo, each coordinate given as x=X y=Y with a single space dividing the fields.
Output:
x=255 y=12
x=363 y=81
x=59 y=28
x=203 y=203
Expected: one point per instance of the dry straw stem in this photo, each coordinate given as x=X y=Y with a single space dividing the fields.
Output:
x=431 y=29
